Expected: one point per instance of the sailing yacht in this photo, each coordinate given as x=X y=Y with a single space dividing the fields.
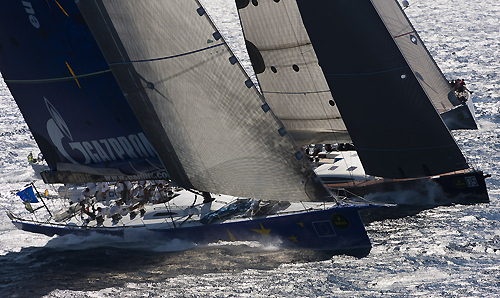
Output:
x=358 y=72
x=175 y=103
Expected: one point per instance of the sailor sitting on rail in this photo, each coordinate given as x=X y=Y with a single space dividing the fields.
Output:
x=87 y=196
x=114 y=212
x=101 y=212
x=118 y=210
x=102 y=192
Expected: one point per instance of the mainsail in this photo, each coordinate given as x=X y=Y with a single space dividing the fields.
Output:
x=211 y=127
x=288 y=72
x=68 y=95
x=385 y=107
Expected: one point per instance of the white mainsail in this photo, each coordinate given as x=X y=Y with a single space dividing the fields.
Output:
x=289 y=74
x=210 y=126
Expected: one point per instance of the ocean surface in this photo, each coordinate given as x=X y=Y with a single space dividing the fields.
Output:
x=449 y=251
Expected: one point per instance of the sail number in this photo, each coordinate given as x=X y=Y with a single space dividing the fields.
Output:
x=471 y=181
x=464 y=182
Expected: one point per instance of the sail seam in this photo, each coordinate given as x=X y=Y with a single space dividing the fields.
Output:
x=166 y=57
x=366 y=73
x=401 y=35
x=59 y=79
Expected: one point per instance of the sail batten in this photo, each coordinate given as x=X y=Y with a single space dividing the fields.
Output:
x=168 y=57
x=201 y=111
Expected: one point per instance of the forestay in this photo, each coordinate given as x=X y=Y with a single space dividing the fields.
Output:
x=288 y=71
x=198 y=107
x=67 y=93
x=392 y=122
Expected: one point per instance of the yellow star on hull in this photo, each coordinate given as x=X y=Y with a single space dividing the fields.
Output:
x=262 y=231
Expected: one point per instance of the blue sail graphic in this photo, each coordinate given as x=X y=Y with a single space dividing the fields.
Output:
x=70 y=100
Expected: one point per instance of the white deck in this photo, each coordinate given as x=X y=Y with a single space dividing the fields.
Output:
x=181 y=211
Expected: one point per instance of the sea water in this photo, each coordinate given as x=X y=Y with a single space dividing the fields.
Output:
x=450 y=251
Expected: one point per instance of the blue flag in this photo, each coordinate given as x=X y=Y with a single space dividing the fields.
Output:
x=27 y=195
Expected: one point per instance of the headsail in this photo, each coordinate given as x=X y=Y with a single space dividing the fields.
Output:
x=211 y=127
x=417 y=56
x=67 y=93
x=288 y=72
x=391 y=120
x=424 y=67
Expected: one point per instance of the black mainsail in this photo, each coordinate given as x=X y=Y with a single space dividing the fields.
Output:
x=390 y=118
x=210 y=126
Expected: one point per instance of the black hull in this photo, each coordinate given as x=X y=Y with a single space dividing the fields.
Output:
x=462 y=188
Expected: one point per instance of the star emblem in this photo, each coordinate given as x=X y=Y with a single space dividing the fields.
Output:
x=262 y=231
x=301 y=224
x=293 y=238
x=231 y=237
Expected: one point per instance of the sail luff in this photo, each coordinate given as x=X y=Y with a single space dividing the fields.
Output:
x=189 y=96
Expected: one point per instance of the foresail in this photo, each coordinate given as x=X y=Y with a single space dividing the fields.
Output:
x=423 y=65
x=392 y=122
x=454 y=113
x=67 y=93
x=209 y=124
x=288 y=72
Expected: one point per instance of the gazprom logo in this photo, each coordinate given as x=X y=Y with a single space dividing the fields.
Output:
x=95 y=151
x=28 y=7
